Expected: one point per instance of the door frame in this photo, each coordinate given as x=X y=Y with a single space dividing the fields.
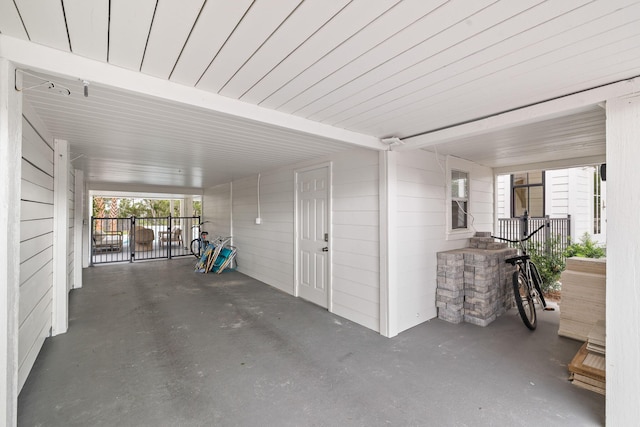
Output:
x=296 y=228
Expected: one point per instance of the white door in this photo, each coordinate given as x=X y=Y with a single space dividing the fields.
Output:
x=313 y=237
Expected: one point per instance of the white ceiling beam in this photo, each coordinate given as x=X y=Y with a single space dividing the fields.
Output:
x=522 y=116
x=552 y=164
x=63 y=64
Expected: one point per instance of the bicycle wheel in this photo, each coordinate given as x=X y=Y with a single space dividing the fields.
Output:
x=524 y=301
x=196 y=248
x=537 y=282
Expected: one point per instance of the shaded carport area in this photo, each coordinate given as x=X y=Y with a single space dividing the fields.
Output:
x=155 y=343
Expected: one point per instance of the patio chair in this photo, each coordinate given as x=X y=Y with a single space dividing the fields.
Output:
x=144 y=238
x=175 y=234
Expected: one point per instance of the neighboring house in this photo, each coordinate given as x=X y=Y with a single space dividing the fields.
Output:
x=578 y=192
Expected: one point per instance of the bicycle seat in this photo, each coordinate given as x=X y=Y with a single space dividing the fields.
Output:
x=516 y=259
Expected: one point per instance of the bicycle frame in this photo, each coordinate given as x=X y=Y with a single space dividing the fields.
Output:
x=527 y=292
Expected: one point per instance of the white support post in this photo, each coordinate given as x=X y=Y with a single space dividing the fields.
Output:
x=388 y=246
x=10 y=175
x=623 y=259
x=78 y=229
x=60 y=314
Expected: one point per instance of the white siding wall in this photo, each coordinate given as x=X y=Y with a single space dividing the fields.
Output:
x=356 y=235
x=422 y=226
x=70 y=246
x=557 y=193
x=36 y=242
x=217 y=210
x=265 y=252
x=581 y=201
x=503 y=196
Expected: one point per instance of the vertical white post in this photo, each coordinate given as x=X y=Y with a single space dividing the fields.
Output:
x=60 y=315
x=87 y=209
x=78 y=229
x=10 y=175
x=388 y=244
x=623 y=261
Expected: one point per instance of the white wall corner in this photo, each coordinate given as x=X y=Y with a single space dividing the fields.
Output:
x=78 y=228
x=10 y=176
x=388 y=243
x=623 y=259
x=60 y=315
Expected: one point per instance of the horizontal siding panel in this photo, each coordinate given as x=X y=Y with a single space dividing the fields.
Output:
x=412 y=189
x=35 y=263
x=362 y=261
x=35 y=150
x=34 y=289
x=36 y=227
x=361 y=311
x=356 y=217
x=32 y=247
x=421 y=176
x=31 y=330
x=36 y=176
x=344 y=276
x=30 y=358
x=365 y=203
x=419 y=204
x=356 y=174
x=357 y=317
x=413 y=219
x=424 y=233
x=356 y=232
x=34 y=192
x=355 y=189
x=31 y=210
x=360 y=247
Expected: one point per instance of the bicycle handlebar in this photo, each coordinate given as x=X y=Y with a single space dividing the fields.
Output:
x=520 y=240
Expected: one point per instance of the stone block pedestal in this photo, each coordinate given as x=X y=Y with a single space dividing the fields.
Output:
x=474 y=284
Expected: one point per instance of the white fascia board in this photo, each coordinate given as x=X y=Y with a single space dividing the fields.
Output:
x=64 y=64
x=522 y=116
x=552 y=164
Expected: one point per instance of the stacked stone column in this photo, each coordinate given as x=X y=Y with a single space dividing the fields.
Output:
x=474 y=284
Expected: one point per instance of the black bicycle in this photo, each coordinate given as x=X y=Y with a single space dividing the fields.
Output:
x=199 y=244
x=526 y=282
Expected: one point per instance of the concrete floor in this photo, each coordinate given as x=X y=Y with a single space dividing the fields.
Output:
x=155 y=344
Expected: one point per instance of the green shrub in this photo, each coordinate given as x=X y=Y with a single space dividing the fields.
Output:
x=586 y=248
x=550 y=264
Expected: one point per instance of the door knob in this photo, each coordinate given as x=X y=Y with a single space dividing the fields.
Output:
x=325 y=249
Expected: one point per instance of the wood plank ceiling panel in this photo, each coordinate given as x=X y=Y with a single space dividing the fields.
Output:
x=10 y=22
x=259 y=23
x=302 y=24
x=386 y=83
x=348 y=22
x=577 y=135
x=130 y=22
x=216 y=22
x=45 y=22
x=422 y=38
x=88 y=23
x=519 y=85
x=419 y=99
x=301 y=89
x=171 y=27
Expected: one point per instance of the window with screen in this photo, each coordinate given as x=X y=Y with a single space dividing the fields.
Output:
x=459 y=199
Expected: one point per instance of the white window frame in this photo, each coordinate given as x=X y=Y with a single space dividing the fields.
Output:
x=459 y=233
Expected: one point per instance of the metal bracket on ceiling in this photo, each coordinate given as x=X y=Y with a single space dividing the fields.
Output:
x=47 y=84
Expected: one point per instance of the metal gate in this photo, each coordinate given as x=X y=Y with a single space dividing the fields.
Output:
x=134 y=239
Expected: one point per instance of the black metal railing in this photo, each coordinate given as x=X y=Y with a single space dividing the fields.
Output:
x=556 y=228
x=132 y=239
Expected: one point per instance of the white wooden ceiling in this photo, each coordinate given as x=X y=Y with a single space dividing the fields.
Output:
x=381 y=68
